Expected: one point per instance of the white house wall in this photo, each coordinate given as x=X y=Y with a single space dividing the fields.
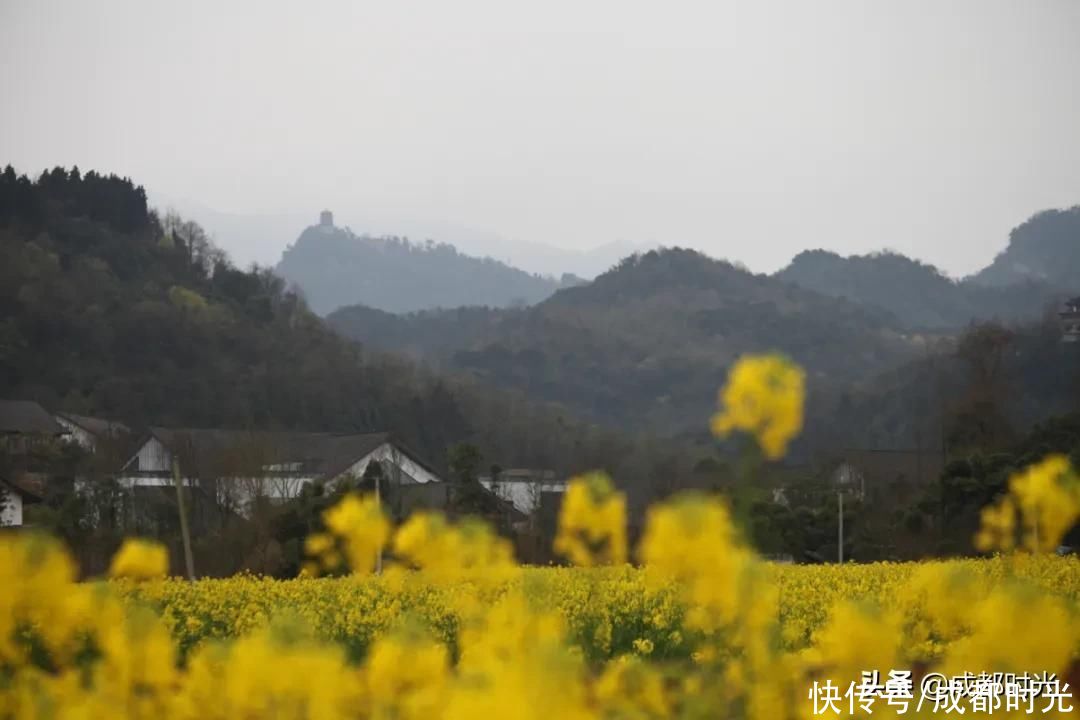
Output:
x=153 y=456
x=130 y=481
x=387 y=453
x=12 y=514
x=76 y=433
x=154 y=467
x=524 y=495
x=236 y=494
x=277 y=488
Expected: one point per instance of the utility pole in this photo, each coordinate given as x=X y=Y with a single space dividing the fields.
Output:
x=378 y=504
x=840 y=527
x=189 y=560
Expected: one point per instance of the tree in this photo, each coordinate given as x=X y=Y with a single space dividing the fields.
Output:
x=373 y=477
x=979 y=420
x=464 y=462
x=467 y=495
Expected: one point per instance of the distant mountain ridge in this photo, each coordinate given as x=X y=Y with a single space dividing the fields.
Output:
x=1040 y=265
x=645 y=345
x=260 y=237
x=335 y=267
x=1037 y=269
x=1045 y=248
x=918 y=294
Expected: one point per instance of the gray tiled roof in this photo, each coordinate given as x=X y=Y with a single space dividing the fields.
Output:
x=28 y=418
x=96 y=426
x=324 y=455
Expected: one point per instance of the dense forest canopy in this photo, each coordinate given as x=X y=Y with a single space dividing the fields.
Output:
x=335 y=268
x=108 y=309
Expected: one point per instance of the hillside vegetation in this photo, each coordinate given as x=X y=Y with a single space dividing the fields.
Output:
x=1045 y=248
x=107 y=309
x=334 y=268
x=919 y=295
x=645 y=344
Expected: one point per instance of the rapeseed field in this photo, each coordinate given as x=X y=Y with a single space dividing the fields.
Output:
x=691 y=623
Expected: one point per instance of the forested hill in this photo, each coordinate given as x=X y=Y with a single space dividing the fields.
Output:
x=646 y=344
x=918 y=294
x=107 y=309
x=1045 y=248
x=336 y=268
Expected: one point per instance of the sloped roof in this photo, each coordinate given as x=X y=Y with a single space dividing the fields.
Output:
x=27 y=417
x=99 y=427
x=339 y=452
x=323 y=455
x=31 y=487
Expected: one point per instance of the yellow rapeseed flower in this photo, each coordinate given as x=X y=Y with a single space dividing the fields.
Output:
x=456 y=630
x=1045 y=496
x=450 y=553
x=763 y=397
x=693 y=542
x=361 y=528
x=140 y=560
x=592 y=522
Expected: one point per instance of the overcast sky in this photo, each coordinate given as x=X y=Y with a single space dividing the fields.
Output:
x=750 y=130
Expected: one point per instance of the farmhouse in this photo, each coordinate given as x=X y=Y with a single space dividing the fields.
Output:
x=25 y=427
x=15 y=494
x=25 y=424
x=238 y=466
x=90 y=433
x=526 y=489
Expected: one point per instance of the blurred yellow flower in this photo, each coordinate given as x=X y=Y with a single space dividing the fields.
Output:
x=692 y=542
x=450 y=553
x=592 y=522
x=455 y=629
x=139 y=560
x=361 y=528
x=1045 y=496
x=997 y=530
x=764 y=397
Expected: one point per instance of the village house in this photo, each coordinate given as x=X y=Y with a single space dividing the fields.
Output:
x=15 y=494
x=90 y=433
x=24 y=424
x=526 y=489
x=25 y=428
x=236 y=466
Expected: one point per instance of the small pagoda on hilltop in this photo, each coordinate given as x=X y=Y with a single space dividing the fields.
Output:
x=1070 y=320
x=326 y=219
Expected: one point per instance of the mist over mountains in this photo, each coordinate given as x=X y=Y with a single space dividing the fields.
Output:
x=261 y=237
x=335 y=267
x=919 y=295
x=1040 y=265
x=1033 y=271
x=641 y=346
x=1045 y=248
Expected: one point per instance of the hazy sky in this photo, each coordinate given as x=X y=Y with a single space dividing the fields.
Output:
x=750 y=130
